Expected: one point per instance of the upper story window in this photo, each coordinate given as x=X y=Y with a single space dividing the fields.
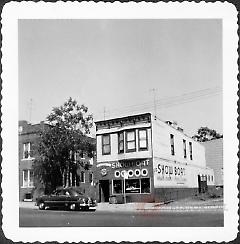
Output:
x=131 y=141
x=82 y=177
x=190 y=150
x=142 y=139
x=27 y=150
x=120 y=142
x=184 y=149
x=106 y=144
x=90 y=177
x=172 y=144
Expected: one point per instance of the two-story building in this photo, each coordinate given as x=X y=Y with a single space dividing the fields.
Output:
x=81 y=177
x=143 y=159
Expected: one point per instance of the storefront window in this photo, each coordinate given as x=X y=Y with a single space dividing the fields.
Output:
x=145 y=185
x=117 y=187
x=132 y=186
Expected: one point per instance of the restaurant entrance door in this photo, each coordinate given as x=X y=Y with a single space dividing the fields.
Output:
x=104 y=190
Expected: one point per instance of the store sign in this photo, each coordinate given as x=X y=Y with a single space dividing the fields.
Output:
x=127 y=174
x=104 y=164
x=104 y=172
x=168 y=173
x=130 y=164
x=166 y=170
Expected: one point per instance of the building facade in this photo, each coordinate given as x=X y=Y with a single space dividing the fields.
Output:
x=28 y=140
x=214 y=159
x=29 y=188
x=143 y=159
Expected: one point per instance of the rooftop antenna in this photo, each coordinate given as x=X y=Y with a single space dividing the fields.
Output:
x=154 y=101
x=104 y=113
x=30 y=110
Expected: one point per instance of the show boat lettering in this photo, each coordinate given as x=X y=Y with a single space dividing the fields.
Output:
x=129 y=164
x=170 y=170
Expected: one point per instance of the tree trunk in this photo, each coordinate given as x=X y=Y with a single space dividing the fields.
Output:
x=68 y=176
x=63 y=178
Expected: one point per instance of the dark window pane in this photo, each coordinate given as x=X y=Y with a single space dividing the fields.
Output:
x=117 y=187
x=145 y=185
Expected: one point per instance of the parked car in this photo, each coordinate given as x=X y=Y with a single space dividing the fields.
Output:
x=66 y=198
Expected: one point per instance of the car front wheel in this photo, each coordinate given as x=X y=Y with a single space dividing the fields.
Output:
x=42 y=206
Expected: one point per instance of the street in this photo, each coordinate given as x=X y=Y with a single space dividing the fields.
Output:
x=57 y=218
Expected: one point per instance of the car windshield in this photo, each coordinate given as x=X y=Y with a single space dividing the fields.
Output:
x=74 y=193
x=67 y=192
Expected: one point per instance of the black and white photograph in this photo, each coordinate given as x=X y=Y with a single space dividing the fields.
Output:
x=118 y=117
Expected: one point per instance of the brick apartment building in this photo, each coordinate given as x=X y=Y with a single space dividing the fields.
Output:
x=29 y=188
x=146 y=159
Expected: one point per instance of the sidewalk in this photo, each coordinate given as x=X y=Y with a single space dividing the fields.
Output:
x=179 y=206
x=210 y=205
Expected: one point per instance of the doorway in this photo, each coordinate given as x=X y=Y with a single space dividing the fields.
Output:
x=202 y=184
x=104 y=190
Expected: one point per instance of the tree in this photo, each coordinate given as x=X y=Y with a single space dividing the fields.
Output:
x=206 y=134
x=59 y=144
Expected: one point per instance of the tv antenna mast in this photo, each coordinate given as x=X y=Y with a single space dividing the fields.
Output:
x=154 y=100
x=30 y=110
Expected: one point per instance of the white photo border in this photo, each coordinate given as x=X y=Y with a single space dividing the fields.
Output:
x=14 y=11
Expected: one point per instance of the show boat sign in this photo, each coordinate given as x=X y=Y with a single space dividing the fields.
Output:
x=131 y=168
x=124 y=164
x=169 y=174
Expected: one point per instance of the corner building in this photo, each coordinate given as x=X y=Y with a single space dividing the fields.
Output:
x=148 y=160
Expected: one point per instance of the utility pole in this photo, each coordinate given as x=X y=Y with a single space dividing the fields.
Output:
x=154 y=101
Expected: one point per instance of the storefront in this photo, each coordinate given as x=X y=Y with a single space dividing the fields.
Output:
x=143 y=159
x=129 y=179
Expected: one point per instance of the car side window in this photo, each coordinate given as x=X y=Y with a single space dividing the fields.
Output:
x=67 y=193
x=60 y=192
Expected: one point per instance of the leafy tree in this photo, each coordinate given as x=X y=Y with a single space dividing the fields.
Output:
x=206 y=134
x=66 y=135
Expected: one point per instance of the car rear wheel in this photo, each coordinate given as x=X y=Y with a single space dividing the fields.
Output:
x=42 y=206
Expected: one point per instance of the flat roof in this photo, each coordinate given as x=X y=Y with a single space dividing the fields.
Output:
x=123 y=117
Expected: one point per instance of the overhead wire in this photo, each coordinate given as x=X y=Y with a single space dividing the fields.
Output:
x=168 y=102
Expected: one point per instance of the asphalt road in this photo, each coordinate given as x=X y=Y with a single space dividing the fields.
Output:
x=57 y=218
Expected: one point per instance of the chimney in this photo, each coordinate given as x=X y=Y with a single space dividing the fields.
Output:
x=180 y=129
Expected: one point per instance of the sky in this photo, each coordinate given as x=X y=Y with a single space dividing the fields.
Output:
x=113 y=65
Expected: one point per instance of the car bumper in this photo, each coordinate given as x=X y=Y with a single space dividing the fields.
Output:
x=87 y=205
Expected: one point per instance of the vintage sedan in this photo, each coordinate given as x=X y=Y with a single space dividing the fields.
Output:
x=66 y=198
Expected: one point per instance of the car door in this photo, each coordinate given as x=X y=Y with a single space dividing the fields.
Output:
x=62 y=199
x=53 y=199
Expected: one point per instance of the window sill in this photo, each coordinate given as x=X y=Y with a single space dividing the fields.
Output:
x=25 y=187
x=130 y=151
x=27 y=159
x=143 y=149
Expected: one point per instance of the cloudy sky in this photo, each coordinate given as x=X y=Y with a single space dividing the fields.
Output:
x=114 y=64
